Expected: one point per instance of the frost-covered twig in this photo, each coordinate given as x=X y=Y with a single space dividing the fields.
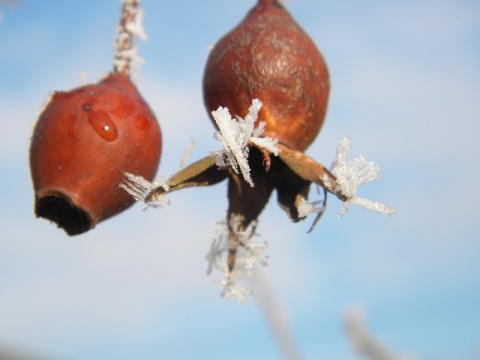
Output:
x=363 y=341
x=248 y=254
x=236 y=135
x=139 y=188
x=351 y=174
x=126 y=56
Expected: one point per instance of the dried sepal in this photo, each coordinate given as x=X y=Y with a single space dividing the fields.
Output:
x=290 y=187
x=310 y=170
x=203 y=172
x=293 y=192
x=344 y=178
x=187 y=152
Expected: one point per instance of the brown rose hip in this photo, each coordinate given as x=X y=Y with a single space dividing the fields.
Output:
x=268 y=56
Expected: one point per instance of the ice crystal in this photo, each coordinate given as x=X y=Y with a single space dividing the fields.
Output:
x=248 y=254
x=139 y=188
x=187 y=153
x=351 y=174
x=83 y=78
x=305 y=207
x=236 y=135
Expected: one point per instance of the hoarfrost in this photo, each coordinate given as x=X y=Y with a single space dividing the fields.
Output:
x=126 y=52
x=351 y=174
x=235 y=136
x=139 y=188
x=305 y=207
x=187 y=152
x=248 y=254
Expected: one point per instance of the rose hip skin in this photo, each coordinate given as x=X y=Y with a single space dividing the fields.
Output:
x=83 y=142
x=268 y=56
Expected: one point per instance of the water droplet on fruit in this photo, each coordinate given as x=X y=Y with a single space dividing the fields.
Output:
x=103 y=125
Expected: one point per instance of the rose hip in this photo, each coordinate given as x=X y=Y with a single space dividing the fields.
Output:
x=268 y=56
x=83 y=143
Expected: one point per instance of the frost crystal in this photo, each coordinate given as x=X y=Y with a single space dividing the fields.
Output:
x=139 y=188
x=187 y=153
x=305 y=207
x=235 y=136
x=351 y=174
x=248 y=254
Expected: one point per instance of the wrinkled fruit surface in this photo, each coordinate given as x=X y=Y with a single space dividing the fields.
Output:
x=83 y=142
x=268 y=56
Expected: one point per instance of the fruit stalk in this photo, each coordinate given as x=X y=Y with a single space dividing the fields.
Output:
x=130 y=26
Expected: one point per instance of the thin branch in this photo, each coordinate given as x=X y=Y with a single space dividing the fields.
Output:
x=126 y=57
x=362 y=339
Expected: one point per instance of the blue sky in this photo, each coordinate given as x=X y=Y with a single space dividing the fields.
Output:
x=405 y=86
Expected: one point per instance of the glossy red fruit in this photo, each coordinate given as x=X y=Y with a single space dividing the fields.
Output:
x=83 y=143
x=268 y=56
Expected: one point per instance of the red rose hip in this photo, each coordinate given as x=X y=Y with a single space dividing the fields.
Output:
x=268 y=56
x=83 y=143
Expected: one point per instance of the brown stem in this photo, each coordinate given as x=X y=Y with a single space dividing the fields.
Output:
x=246 y=202
x=124 y=39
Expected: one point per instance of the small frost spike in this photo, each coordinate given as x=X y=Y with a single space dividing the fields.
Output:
x=353 y=173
